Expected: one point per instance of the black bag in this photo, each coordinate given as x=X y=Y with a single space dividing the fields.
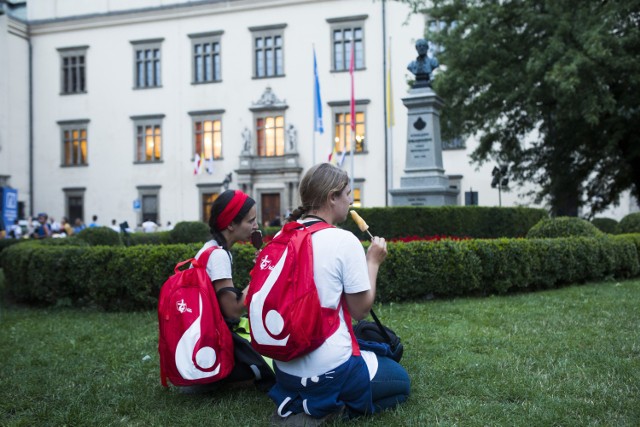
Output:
x=377 y=332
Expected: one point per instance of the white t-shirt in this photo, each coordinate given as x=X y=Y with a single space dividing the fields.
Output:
x=339 y=264
x=219 y=264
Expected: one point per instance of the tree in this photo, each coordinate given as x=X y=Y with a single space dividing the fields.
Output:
x=550 y=87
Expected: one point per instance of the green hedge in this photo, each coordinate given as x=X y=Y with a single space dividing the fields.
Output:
x=121 y=278
x=563 y=226
x=630 y=223
x=460 y=221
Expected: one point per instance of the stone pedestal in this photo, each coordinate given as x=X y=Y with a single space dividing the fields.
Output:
x=424 y=182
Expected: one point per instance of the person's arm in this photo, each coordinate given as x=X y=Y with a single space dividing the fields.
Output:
x=360 y=303
x=231 y=302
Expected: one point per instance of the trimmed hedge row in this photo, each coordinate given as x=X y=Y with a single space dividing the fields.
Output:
x=120 y=278
x=459 y=221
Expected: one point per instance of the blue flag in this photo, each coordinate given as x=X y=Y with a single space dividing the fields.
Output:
x=317 y=102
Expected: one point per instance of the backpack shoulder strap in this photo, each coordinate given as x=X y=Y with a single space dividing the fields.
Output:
x=203 y=259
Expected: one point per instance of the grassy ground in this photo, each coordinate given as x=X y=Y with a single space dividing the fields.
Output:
x=567 y=357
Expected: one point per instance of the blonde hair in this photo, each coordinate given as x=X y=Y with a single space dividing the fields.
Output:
x=316 y=187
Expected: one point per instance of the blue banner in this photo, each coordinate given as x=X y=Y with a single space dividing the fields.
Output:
x=9 y=205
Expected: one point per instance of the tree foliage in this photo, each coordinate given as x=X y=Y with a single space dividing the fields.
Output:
x=550 y=87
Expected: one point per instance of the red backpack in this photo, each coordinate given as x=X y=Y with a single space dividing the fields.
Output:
x=195 y=344
x=284 y=309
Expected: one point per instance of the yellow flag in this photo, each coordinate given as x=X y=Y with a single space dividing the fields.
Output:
x=391 y=120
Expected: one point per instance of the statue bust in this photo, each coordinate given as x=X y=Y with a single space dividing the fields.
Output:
x=423 y=66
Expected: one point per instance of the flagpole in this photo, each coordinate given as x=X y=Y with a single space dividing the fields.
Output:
x=390 y=116
x=386 y=103
x=315 y=114
x=353 y=107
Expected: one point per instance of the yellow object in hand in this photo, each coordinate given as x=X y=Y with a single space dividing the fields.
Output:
x=360 y=222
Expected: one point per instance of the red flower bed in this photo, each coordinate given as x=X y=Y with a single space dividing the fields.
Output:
x=435 y=238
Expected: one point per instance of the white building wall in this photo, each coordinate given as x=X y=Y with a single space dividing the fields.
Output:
x=14 y=106
x=111 y=177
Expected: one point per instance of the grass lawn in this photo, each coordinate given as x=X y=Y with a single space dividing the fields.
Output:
x=568 y=357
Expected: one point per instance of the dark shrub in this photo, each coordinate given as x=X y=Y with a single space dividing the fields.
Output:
x=190 y=232
x=630 y=223
x=564 y=226
x=606 y=225
x=99 y=236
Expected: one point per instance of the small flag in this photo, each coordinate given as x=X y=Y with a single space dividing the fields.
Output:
x=208 y=165
x=333 y=157
x=317 y=101
x=197 y=162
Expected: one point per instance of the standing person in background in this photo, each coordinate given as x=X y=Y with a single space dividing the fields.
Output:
x=66 y=227
x=79 y=226
x=336 y=377
x=149 y=226
x=114 y=226
x=169 y=226
x=233 y=219
x=43 y=230
x=94 y=222
x=15 y=231
x=56 y=227
x=3 y=230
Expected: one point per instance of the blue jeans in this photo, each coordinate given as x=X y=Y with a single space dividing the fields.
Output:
x=390 y=386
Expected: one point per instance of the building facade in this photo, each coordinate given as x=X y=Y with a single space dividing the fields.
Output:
x=148 y=109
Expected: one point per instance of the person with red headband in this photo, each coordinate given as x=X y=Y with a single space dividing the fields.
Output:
x=233 y=219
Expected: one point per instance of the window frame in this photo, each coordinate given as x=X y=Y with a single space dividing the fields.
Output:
x=80 y=69
x=270 y=114
x=214 y=40
x=148 y=191
x=264 y=32
x=348 y=23
x=344 y=108
x=81 y=125
x=145 y=122
x=142 y=46
x=73 y=193
x=204 y=116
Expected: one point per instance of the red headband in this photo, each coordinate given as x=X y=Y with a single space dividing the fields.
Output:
x=231 y=210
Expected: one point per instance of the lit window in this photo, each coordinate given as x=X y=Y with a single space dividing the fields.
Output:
x=74 y=142
x=270 y=136
x=148 y=139
x=207 y=134
x=342 y=136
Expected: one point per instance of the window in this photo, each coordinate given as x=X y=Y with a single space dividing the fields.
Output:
x=74 y=142
x=268 y=51
x=74 y=203
x=72 y=73
x=147 y=72
x=205 y=49
x=207 y=198
x=343 y=31
x=149 y=202
x=454 y=144
x=207 y=134
x=148 y=138
x=270 y=135
x=342 y=126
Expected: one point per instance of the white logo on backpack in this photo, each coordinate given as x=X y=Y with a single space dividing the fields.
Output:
x=274 y=322
x=266 y=263
x=182 y=306
x=205 y=356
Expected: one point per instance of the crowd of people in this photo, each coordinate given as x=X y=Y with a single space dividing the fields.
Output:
x=43 y=226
